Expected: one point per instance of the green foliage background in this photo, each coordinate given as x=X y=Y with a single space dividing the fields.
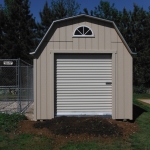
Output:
x=20 y=33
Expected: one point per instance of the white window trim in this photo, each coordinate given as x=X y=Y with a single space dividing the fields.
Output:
x=83 y=35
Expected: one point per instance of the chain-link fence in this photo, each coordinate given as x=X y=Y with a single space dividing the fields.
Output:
x=16 y=85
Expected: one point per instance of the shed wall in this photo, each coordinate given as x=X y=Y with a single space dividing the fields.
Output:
x=61 y=39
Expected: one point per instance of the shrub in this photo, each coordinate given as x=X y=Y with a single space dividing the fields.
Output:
x=139 y=89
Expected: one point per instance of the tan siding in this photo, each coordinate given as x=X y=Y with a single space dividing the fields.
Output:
x=69 y=34
x=75 y=40
x=35 y=88
x=48 y=90
x=128 y=84
x=69 y=31
x=51 y=98
x=120 y=82
x=113 y=36
x=50 y=47
x=88 y=45
x=101 y=35
x=56 y=38
x=114 y=80
x=95 y=40
x=119 y=39
x=50 y=36
x=62 y=45
x=38 y=88
x=88 y=41
x=62 y=34
x=43 y=84
x=81 y=43
x=107 y=38
x=61 y=38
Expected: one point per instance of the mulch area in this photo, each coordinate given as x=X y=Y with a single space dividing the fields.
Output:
x=79 y=129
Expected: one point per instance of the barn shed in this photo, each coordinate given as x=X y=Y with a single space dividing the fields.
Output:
x=82 y=66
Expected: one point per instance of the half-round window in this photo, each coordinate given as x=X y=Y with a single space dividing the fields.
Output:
x=83 y=31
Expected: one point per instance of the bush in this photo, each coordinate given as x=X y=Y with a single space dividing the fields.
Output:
x=139 y=89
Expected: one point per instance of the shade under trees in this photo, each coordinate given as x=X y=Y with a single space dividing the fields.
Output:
x=19 y=34
x=18 y=30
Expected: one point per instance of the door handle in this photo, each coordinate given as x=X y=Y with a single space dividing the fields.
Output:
x=108 y=83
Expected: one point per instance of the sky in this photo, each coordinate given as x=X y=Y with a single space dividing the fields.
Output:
x=37 y=5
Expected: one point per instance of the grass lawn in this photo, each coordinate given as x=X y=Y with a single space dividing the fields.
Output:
x=11 y=140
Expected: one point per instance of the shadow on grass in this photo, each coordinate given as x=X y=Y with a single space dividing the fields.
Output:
x=137 y=111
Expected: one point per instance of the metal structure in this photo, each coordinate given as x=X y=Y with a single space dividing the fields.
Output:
x=73 y=84
x=16 y=85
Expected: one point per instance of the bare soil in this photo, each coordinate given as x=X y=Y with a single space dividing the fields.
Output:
x=79 y=129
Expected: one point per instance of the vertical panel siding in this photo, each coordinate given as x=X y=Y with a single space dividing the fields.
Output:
x=62 y=34
x=69 y=34
x=114 y=36
x=81 y=41
x=128 y=84
x=75 y=40
x=82 y=44
x=35 y=88
x=43 y=84
x=48 y=82
x=38 y=88
x=56 y=37
x=114 y=46
x=95 y=40
x=88 y=41
x=52 y=85
x=115 y=74
x=107 y=38
x=101 y=35
x=120 y=82
x=88 y=45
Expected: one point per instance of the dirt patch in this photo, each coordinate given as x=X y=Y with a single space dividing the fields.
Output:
x=79 y=129
x=72 y=125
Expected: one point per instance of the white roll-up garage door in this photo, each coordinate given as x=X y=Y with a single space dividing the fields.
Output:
x=83 y=84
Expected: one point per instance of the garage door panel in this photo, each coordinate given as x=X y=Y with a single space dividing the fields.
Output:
x=80 y=84
x=83 y=84
x=84 y=68
x=78 y=100
x=91 y=87
x=83 y=81
x=71 y=71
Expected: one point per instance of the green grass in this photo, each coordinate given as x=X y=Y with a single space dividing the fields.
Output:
x=10 y=122
x=27 y=142
x=116 y=145
x=141 y=140
x=9 y=140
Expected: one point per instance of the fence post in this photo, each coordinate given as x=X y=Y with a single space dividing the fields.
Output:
x=28 y=83
x=19 y=92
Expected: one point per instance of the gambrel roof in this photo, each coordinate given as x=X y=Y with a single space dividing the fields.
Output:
x=78 y=16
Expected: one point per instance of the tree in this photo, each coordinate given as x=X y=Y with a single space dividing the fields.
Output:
x=58 y=9
x=138 y=38
x=135 y=28
x=47 y=17
x=107 y=11
x=2 y=24
x=20 y=30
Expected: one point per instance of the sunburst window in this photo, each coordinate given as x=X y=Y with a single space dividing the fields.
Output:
x=83 y=31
